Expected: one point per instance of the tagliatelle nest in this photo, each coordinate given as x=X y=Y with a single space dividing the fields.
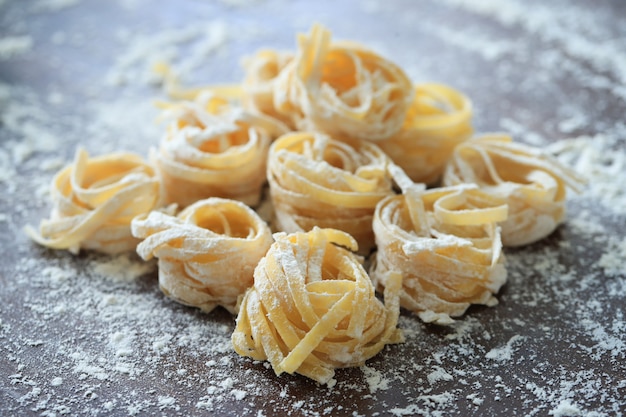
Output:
x=445 y=244
x=532 y=183
x=94 y=201
x=213 y=149
x=207 y=254
x=439 y=118
x=342 y=89
x=318 y=181
x=313 y=309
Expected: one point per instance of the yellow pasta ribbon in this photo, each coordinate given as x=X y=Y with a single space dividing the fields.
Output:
x=439 y=118
x=261 y=73
x=532 y=183
x=341 y=89
x=313 y=309
x=445 y=244
x=176 y=91
x=214 y=149
x=318 y=181
x=207 y=254
x=94 y=201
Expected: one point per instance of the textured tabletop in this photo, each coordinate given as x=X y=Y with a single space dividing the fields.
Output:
x=93 y=335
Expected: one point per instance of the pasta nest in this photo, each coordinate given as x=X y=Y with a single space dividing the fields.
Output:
x=445 y=243
x=94 y=201
x=313 y=309
x=533 y=183
x=439 y=118
x=207 y=254
x=318 y=181
x=213 y=149
x=342 y=89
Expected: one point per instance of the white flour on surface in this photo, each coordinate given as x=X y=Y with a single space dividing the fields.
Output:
x=575 y=32
x=54 y=5
x=12 y=46
x=95 y=336
x=504 y=353
x=136 y=65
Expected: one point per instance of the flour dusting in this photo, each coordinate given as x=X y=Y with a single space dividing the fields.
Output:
x=93 y=335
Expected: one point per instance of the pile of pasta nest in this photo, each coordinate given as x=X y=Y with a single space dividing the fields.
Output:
x=351 y=149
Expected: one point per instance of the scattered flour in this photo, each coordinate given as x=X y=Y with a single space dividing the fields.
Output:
x=570 y=30
x=566 y=409
x=12 y=46
x=54 y=5
x=439 y=374
x=112 y=344
x=376 y=380
x=613 y=261
x=135 y=65
x=122 y=268
x=504 y=353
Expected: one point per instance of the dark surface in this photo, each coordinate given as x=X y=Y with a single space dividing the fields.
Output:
x=80 y=338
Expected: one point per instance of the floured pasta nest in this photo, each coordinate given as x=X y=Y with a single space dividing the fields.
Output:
x=445 y=244
x=340 y=88
x=437 y=121
x=94 y=201
x=313 y=309
x=207 y=254
x=319 y=181
x=214 y=149
x=532 y=183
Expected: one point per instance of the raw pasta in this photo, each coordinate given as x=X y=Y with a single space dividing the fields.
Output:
x=438 y=120
x=176 y=91
x=94 y=201
x=446 y=245
x=207 y=254
x=342 y=89
x=341 y=113
x=318 y=181
x=213 y=149
x=262 y=70
x=532 y=183
x=313 y=309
